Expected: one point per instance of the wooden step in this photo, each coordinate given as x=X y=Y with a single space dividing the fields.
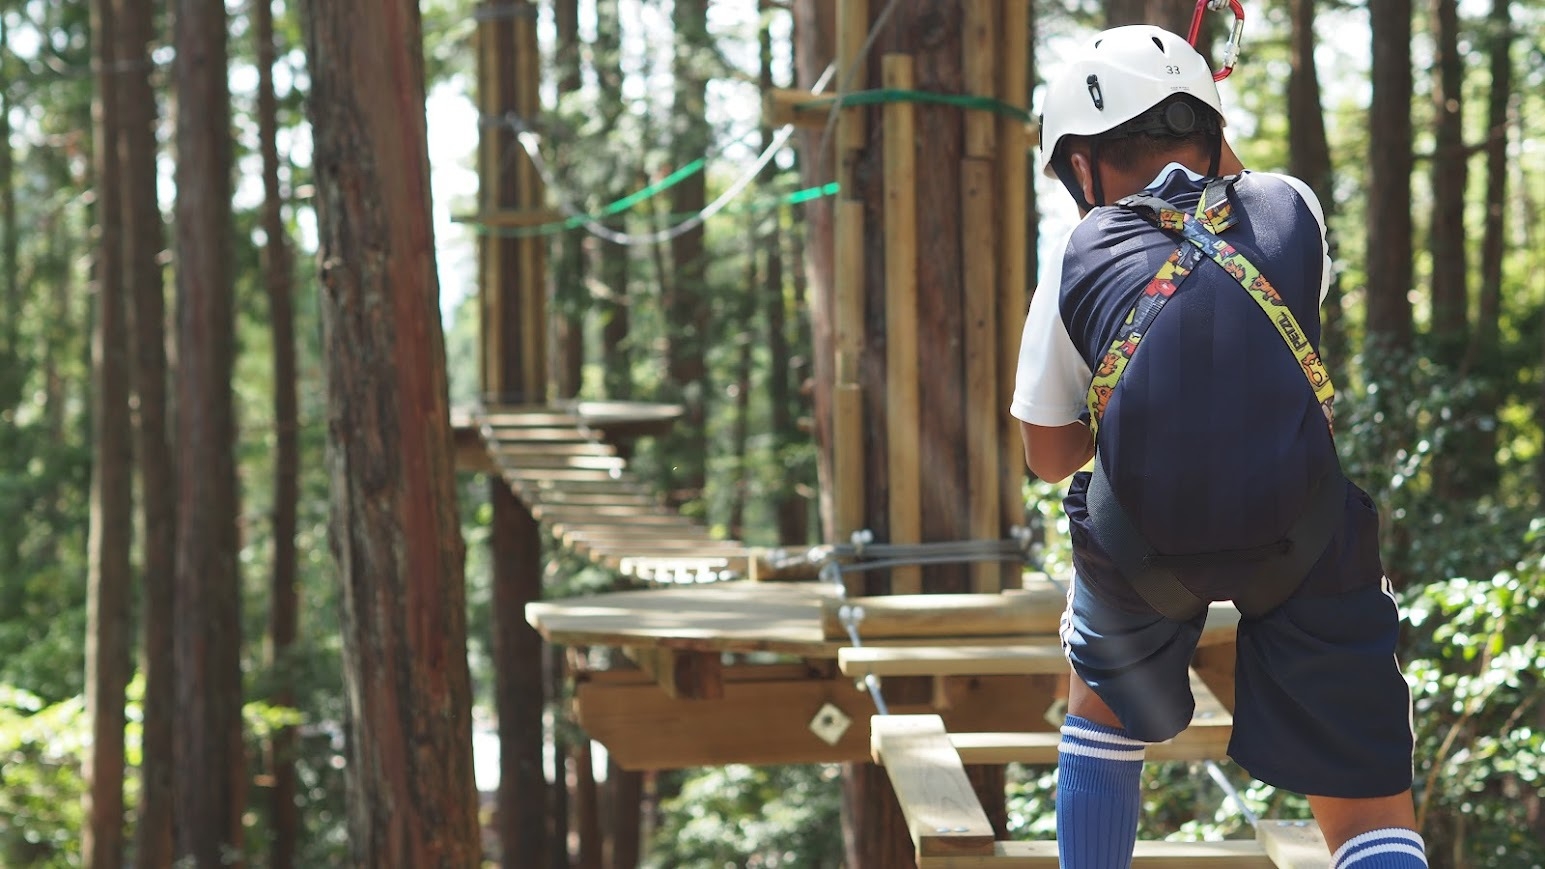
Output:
x=1277 y=845
x=544 y=460
x=539 y=434
x=1039 y=658
x=1197 y=742
x=586 y=448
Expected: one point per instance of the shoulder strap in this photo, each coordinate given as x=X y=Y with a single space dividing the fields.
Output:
x=1170 y=276
x=1214 y=214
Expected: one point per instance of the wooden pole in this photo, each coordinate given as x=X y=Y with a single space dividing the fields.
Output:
x=980 y=283
x=848 y=501
x=901 y=388
x=489 y=167
x=1013 y=232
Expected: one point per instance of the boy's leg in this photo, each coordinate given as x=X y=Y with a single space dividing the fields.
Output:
x=1370 y=833
x=1137 y=662
x=1099 y=777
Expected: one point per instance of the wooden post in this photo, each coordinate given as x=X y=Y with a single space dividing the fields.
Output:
x=979 y=275
x=1013 y=233
x=901 y=394
x=848 y=500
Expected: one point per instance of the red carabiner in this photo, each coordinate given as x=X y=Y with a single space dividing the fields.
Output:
x=1231 y=49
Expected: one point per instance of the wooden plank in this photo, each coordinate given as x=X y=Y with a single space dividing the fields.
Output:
x=545 y=489
x=1293 y=844
x=506 y=448
x=615 y=497
x=784 y=106
x=541 y=434
x=852 y=128
x=979 y=274
x=1042 y=658
x=511 y=217
x=535 y=460
x=941 y=808
x=622 y=514
x=562 y=475
x=1013 y=254
x=902 y=398
x=979 y=61
x=1197 y=742
x=848 y=499
x=1148 y=855
x=767 y=722
x=1037 y=611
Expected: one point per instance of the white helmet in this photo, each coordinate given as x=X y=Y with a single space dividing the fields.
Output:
x=1119 y=74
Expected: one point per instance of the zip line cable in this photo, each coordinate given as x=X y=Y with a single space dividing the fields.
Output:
x=530 y=141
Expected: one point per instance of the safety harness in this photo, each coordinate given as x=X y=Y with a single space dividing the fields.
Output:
x=1277 y=569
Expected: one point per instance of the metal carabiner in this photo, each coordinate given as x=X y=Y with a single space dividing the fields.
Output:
x=1231 y=49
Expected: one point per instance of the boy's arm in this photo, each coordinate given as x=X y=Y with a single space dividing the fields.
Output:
x=1053 y=453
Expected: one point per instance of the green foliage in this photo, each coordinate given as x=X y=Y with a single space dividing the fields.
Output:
x=40 y=779
x=744 y=817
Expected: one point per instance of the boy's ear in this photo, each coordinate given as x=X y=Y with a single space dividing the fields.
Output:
x=1084 y=172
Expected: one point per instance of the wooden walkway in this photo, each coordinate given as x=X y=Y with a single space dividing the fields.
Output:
x=582 y=491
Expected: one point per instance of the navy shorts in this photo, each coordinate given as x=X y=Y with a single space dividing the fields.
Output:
x=1321 y=707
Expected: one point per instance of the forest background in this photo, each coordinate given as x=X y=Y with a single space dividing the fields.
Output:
x=1421 y=132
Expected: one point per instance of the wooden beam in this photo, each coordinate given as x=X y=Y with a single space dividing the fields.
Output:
x=942 y=811
x=1149 y=855
x=1012 y=163
x=949 y=615
x=1042 y=658
x=767 y=722
x=1293 y=844
x=683 y=675
x=979 y=61
x=902 y=408
x=979 y=236
x=511 y=218
x=848 y=498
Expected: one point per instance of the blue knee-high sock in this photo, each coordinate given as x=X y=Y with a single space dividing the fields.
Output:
x=1388 y=848
x=1099 y=775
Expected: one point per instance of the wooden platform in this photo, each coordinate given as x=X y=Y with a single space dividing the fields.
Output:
x=556 y=460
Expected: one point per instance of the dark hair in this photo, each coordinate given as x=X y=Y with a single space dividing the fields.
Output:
x=1181 y=122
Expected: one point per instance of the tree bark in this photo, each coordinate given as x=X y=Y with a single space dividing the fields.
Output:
x=570 y=296
x=612 y=265
x=109 y=575
x=1450 y=171
x=283 y=615
x=1484 y=343
x=625 y=816
x=144 y=241
x=518 y=691
x=211 y=768
x=686 y=301
x=587 y=806
x=395 y=530
x=9 y=263
x=1389 y=232
x=815 y=29
x=1309 y=159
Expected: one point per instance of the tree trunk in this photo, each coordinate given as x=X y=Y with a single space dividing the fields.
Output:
x=144 y=241
x=211 y=768
x=587 y=806
x=1172 y=15
x=686 y=303
x=517 y=649
x=570 y=295
x=555 y=670
x=395 y=529
x=740 y=433
x=9 y=263
x=815 y=29
x=109 y=575
x=624 y=816
x=283 y=613
x=1484 y=343
x=1309 y=159
x=1389 y=231
x=612 y=259
x=1450 y=277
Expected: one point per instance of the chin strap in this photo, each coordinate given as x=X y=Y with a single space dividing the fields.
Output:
x=1064 y=170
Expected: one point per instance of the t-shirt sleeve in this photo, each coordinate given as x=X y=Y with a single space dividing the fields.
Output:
x=1313 y=202
x=1052 y=384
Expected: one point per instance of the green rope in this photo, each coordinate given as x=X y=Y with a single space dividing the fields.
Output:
x=898 y=95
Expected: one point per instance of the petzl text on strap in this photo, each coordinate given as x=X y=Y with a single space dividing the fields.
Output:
x=1214 y=214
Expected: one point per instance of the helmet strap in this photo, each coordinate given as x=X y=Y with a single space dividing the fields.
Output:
x=1217 y=153
x=1094 y=171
